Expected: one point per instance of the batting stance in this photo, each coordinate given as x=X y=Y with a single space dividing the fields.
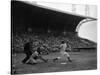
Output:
x=63 y=52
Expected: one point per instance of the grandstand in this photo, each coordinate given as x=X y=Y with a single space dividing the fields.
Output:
x=27 y=18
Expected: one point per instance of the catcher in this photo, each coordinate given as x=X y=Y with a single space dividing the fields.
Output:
x=36 y=55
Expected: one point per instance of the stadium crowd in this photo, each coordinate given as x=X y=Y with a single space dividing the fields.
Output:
x=49 y=43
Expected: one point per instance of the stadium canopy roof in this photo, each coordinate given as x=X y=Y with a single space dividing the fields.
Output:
x=26 y=15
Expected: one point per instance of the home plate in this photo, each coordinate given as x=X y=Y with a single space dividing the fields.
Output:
x=63 y=63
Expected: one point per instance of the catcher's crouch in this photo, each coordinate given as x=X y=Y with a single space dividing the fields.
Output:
x=36 y=55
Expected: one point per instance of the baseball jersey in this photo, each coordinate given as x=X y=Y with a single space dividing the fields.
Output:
x=63 y=47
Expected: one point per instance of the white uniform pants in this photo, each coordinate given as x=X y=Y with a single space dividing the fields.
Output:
x=63 y=54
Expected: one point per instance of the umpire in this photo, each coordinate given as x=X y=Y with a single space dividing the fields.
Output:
x=27 y=51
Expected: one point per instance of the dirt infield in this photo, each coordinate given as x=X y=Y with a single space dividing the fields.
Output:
x=80 y=61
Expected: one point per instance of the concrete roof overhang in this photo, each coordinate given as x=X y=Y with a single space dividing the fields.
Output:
x=24 y=15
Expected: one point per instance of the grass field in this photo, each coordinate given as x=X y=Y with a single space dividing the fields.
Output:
x=85 y=60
